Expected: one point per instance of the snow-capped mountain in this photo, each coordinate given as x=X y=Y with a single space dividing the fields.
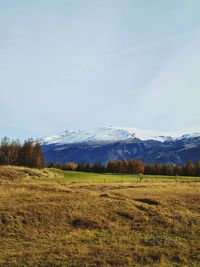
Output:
x=108 y=134
x=112 y=143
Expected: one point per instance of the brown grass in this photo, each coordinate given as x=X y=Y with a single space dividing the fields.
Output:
x=96 y=224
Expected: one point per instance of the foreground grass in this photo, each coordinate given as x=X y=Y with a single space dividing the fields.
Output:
x=53 y=218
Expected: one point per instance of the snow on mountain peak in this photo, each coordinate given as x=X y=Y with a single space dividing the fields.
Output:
x=107 y=134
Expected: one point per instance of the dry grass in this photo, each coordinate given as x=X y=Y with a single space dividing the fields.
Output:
x=97 y=224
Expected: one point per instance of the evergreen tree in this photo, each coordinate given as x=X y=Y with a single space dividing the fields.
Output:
x=197 y=168
x=189 y=169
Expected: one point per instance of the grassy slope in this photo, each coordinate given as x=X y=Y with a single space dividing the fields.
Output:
x=53 y=218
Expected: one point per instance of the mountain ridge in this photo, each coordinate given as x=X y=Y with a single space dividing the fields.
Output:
x=112 y=134
x=111 y=143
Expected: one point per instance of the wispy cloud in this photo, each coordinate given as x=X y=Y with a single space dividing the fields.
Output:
x=146 y=45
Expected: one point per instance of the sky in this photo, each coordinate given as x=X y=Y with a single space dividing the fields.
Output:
x=80 y=64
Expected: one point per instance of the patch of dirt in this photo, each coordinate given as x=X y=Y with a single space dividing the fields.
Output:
x=84 y=223
x=105 y=195
x=148 y=201
x=142 y=208
x=125 y=215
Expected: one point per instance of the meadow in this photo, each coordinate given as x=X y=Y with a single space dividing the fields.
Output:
x=53 y=218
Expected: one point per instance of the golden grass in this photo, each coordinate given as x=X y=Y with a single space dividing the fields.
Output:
x=97 y=224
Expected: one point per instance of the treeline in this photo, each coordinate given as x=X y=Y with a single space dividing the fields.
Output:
x=188 y=169
x=133 y=167
x=13 y=152
x=130 y=167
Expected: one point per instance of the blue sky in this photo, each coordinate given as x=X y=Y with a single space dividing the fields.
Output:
x=77 y=64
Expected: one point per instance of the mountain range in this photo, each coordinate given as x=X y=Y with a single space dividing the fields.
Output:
x=117 y=143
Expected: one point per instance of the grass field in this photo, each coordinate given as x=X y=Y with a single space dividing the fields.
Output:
x=55 y=218
x=84 y=177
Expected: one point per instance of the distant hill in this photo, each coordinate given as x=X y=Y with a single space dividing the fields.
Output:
x=111 y=143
